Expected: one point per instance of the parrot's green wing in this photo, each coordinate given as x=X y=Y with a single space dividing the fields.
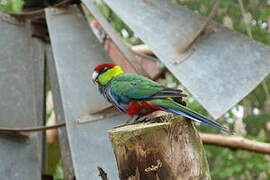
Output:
x=131 y=86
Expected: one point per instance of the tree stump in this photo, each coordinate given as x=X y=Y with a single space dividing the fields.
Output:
x=170 y=150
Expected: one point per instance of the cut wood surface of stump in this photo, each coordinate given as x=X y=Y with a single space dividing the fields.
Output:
x=169 y=150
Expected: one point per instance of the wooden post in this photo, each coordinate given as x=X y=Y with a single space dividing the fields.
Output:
x=170 y=150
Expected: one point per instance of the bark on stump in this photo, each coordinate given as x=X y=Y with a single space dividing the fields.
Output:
x=169 y=150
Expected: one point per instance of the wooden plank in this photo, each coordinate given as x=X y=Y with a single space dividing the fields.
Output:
x=18 y=106
x=220 y=69
x=76 y=50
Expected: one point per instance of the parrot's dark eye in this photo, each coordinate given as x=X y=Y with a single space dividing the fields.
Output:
x=104 y=69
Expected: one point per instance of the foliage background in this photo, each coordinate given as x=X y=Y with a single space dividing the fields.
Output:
x=248 y=118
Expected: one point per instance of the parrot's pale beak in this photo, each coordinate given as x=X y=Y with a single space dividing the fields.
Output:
x=94 y=77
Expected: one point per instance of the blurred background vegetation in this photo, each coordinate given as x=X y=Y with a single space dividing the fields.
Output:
x=11 y=5
x=249 y=118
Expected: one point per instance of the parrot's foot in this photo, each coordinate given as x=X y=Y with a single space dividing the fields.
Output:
x=143 y=119
x=135 y=120
x=129 y=121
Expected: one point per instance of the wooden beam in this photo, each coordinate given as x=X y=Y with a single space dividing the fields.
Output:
x=142 y=48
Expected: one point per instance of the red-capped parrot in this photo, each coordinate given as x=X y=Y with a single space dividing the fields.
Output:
x=138 y=96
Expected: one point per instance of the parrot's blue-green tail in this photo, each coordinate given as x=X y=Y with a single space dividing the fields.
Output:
x=201 y=119
x=175 y=108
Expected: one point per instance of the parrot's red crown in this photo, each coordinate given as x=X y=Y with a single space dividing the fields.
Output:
x=101 y=67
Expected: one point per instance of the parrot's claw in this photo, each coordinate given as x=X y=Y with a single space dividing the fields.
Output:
x=143 y=119
x=135 y=120
x=128 y=122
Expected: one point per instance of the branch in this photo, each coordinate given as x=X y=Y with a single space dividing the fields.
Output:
x=30 y=129
x=235 y=142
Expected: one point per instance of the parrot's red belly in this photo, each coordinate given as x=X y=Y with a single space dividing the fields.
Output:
x=141 y=108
